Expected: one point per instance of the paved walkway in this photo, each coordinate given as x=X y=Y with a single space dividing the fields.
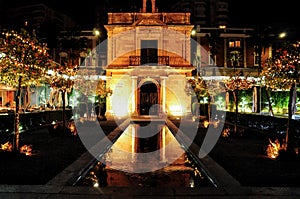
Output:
x=227 y=186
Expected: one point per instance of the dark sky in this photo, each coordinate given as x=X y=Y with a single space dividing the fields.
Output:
x=264 y=12
x=244 y=13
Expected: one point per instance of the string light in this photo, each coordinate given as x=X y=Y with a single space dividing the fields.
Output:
x=282 y=70
x=237 y=82
x=24 y=57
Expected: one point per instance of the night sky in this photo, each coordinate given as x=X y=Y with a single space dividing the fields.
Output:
x=243 y=13
x=264 y=12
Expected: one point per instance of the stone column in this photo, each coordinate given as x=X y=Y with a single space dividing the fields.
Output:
x=153 y=6
x=163 y=145
x=133 y=143
x=134 y=95
x=144 y=5
x=163 y=94
x=108 y=99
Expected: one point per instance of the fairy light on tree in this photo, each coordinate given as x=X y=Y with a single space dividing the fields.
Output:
x=102 y=92
x=24 y=62
x=204 y=88
x=196 y=86
x=62 y=80
x=85 y=83
x=91 y=85
x=281 y=72
x=235 y=83
x=215 y=87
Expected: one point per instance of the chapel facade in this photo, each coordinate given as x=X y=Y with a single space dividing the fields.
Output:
x=148 y=61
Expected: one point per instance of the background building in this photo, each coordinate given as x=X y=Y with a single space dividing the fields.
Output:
x=206 y=13
x=35 y=16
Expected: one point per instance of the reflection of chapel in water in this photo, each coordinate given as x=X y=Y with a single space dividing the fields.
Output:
x=148 y=62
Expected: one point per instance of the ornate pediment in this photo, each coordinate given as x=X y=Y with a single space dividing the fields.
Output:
x=149 y=22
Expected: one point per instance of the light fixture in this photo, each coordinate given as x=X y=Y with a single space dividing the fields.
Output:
x=193 y=32
x=96 y=32
x=282 y=35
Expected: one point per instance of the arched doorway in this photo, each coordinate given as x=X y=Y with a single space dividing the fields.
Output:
x=149 y=99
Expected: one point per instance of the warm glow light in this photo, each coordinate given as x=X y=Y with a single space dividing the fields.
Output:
x=50 y=72
x=273 y=149
x=193 y=32
x=120 y=109
x=176 y=110
x=6 y=147
x=73 y=129
x=282 y=35
x=205 y=123
x=226 y=132
x=96 y=33
x=26 y=149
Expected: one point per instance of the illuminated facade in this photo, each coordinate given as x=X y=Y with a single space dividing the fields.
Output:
x=148 y=61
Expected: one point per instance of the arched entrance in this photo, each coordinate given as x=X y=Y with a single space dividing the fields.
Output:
x=148 y=99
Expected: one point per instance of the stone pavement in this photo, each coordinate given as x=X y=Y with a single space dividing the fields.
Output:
x=226 y=186
x=53 y=192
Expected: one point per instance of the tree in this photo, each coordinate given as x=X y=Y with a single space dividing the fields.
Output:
x=262 y=39
x=234 y=84
x=62 y=80
x=23 y=62
x=85 y=83
x=282 y=72
x=102 y=92
x=196 y=88
x=204 y=88
x=88 y=84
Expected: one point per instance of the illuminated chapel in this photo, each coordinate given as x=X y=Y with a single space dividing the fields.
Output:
x=148 y=60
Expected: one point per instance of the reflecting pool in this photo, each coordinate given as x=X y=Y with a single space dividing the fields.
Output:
x=147 y=154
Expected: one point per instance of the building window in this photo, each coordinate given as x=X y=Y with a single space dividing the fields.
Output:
x=237 y=43
x=234 y=43
x=231 y=44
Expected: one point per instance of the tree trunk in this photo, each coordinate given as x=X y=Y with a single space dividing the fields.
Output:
x=236 y=101
x=269 y=103
x=63 y=108
x=17 y=118
x=256 y=99
x=87 y=106
x=290 y=112
x=209 y=109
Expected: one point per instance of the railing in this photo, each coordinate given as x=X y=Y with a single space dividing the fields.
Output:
x=153 y=60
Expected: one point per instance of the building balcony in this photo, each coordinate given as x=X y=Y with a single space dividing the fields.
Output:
x=146 y=60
